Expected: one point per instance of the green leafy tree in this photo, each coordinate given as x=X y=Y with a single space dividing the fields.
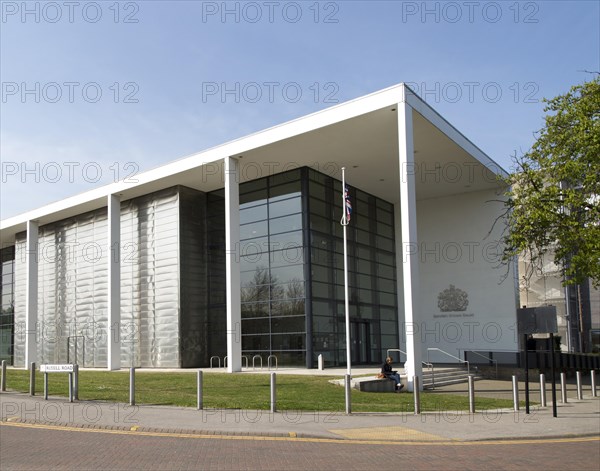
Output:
x=554 y=193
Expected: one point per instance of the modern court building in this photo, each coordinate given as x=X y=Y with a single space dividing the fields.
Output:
x=237 y=251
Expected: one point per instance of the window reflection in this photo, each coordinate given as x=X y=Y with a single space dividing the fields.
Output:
x=253 y=199
x=288 y=324
x=286 y=241
x=289 y=256
x=254 y=261
x=256 y=213
x=253 y=230
x=285 y=224
x=285 y=191
x=291 y=273
x=285 y=207
x=293 y=307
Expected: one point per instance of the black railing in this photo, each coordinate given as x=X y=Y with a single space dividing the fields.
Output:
x=539 y=359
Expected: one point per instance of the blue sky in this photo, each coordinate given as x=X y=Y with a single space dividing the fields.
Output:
x=93 y=91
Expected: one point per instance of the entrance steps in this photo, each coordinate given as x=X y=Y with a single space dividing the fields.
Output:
x=444 y=376
x=440 y=376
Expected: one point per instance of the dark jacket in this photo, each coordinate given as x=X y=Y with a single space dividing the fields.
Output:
x=386 y=369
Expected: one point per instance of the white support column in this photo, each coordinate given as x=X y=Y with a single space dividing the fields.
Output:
x=232 y=261
x=114 y=283
x=408 y=247
x=31 y=290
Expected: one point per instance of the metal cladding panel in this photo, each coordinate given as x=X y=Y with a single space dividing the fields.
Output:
x=73 y=286
x=20 y=294
x=150 y=280
x=73 y=291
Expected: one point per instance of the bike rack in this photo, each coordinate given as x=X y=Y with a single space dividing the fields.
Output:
x=218 y=358
x=254 y=358
x=225 y=361
x=269 y=361
x=244 y=357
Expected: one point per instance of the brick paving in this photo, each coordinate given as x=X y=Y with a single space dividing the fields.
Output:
x=24 y=448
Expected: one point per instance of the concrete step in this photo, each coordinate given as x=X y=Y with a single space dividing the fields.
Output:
x=440 y=377
x=446 y=375
x=445 y=382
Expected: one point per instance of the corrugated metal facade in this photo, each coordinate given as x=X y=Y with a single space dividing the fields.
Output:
x=73 y=286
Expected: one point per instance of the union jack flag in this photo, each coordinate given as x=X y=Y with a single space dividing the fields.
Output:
x=347 y=204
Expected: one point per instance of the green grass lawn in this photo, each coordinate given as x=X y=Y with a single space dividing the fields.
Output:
x=243 y=391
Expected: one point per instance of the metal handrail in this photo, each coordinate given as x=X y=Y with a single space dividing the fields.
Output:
x=426 y=363
x=450 y=355
x=269 y=361
x=487 y=358
x=212 y=358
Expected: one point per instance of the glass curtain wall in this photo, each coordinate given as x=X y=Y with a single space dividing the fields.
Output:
x=272 y=267
x=291 y=263
x=372 y=274
x=7 y=304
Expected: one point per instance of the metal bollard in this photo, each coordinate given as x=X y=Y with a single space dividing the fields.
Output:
x=347 y=386
x=471 y=394
x=70 y=387
x=200 y=399
x=563 y=388
x=76 y=382
x=132 y=386
x=515 y=386
x=46 y=386
x=579 y=386
x=417 y=394
x=3 y=380
x=593 y=378
x=273 y=393
x=32 y=379
x=543 y=390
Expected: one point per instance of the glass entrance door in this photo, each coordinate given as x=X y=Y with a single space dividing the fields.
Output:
x=359 y=339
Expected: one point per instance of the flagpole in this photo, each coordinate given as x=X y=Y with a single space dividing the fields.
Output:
x=346 y=302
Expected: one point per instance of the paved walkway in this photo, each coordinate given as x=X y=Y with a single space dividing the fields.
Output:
x=575 y=418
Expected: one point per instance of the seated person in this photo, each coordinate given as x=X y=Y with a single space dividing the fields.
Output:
x=386 y=370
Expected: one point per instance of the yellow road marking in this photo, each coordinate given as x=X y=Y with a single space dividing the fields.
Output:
x=310 y=440
x=393 y=433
